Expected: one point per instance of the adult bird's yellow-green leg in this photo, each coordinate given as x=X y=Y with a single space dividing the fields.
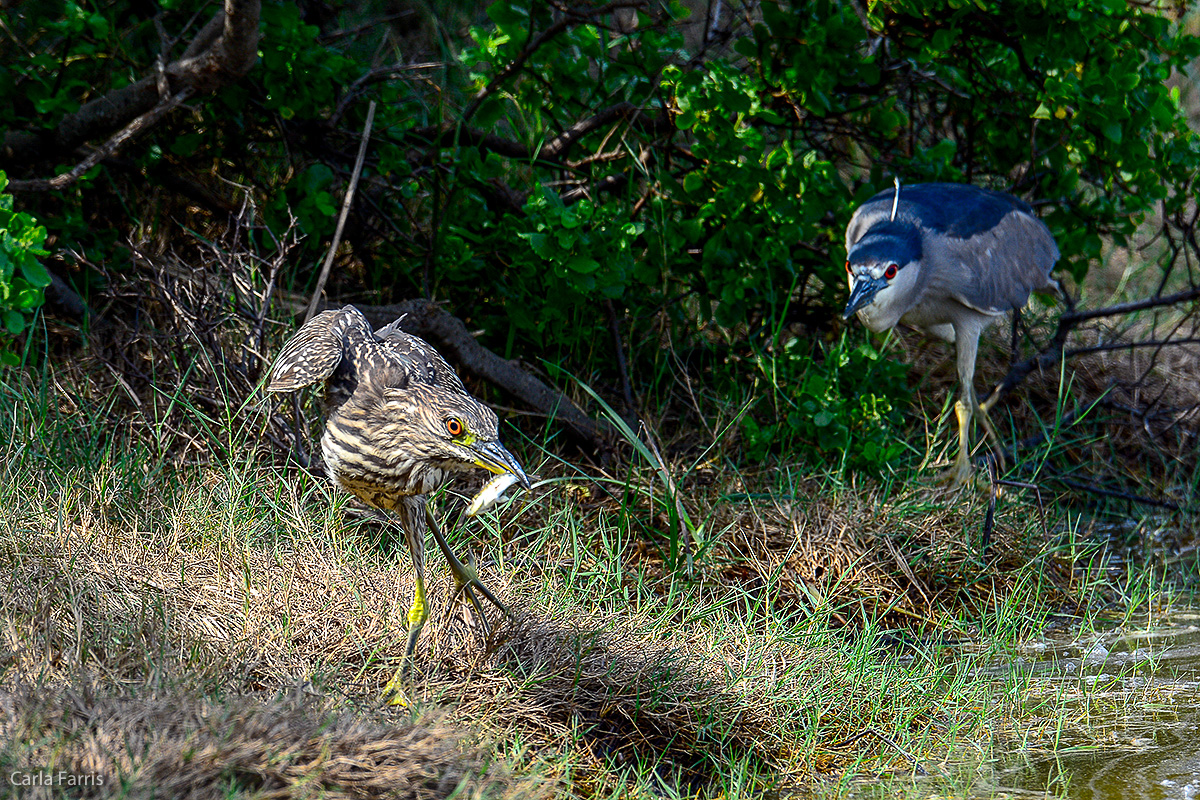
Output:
x=966 y=346
x=412 y=521
x=961 y=470
x=968 y=407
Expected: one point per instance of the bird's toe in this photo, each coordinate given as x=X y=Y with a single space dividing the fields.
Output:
x=395 y=693
x=958 y=474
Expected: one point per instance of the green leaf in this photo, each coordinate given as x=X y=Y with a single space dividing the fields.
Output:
x=506 y=13
x=747 y=47
x=34 y=272
x=14 y=321
x=582 y=263
x=541 y=244
x=693 y=182
x=490 y=112
x=943 y=39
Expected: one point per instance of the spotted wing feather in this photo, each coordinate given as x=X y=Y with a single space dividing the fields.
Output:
x=310 y=356
x=418 y=357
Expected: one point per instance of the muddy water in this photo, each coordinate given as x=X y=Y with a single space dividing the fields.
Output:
x=1113 y=715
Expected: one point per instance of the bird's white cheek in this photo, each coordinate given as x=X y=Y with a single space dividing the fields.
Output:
x=879 y=314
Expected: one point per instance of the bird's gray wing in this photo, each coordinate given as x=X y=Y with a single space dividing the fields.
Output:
x=994 y=270
x=417 y=357
x=311 y=355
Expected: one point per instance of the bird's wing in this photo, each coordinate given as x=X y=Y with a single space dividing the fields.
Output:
x=310 y=356
x=950 y=209
x=995 y=269
x=417 y=357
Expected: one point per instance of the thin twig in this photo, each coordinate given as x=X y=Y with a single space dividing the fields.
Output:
x=105 y=150
x=622 y=367
x=1072 y=319
x=1119 y=495
x=341 y=225
x=1106 y=348
x=1037 y=490
x=989 y=519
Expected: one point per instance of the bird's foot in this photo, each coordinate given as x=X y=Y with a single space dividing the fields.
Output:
x=476 y=607
x=466 y=581
x=396 y=692
x=958 y=474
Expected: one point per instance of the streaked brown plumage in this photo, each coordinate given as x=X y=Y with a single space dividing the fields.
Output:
x=398 y=424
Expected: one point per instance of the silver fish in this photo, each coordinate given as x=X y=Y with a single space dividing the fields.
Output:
x=491 y=493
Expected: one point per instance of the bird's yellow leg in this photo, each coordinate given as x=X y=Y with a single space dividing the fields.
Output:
x=395 y=692
x=465 y=578
x=961 y=471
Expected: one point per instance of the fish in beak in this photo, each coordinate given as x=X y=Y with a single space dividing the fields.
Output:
x=494 y=458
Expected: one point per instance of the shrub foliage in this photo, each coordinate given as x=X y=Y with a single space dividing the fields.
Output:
x=549 y=170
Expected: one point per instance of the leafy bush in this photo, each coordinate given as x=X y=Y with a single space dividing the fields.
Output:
x=558 y=165
x=839 y=407
x=22 y=276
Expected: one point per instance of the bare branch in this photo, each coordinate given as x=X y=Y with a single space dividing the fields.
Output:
x=224 y=50
x=1071 y=320
x=1108 y=348
x=105 y=150
x=341 y=223
x=556 y=147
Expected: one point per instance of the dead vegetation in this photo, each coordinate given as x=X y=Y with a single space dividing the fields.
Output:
x=180 y=605
x=112 y=628
x=168 y=744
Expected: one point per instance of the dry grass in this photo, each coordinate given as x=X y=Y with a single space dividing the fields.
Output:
x=181 y=602
x=170 y=744
x=235 y=608
x=160 y=618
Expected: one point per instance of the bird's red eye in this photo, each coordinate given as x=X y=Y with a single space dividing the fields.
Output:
x=454 y=427
x=890 y=272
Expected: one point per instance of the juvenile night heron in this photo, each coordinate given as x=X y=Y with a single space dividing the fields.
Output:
x=398 y=424
x=951 y=259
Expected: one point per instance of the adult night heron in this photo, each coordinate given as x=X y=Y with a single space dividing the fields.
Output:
x=951 y=259
x=398 y=425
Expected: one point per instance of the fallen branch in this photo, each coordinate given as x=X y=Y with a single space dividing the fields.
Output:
x=102 y=152
x=450 y=336
x=224 y=50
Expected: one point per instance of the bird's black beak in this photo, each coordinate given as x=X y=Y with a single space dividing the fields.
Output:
x=494 y=458
x=862 y=294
